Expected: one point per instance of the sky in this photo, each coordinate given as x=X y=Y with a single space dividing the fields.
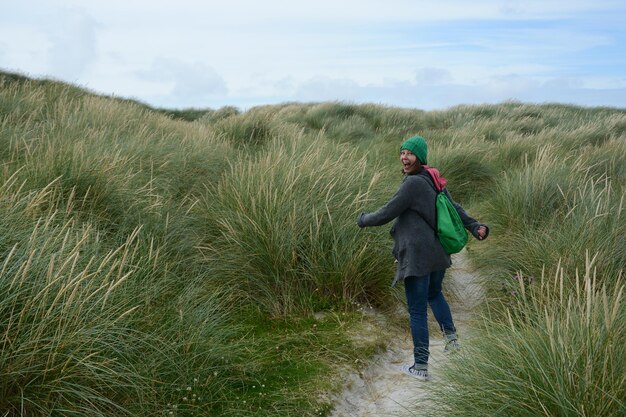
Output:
x=427 y=55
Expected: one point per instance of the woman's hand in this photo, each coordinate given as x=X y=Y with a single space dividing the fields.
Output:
x=481 y=232
x=359 y=220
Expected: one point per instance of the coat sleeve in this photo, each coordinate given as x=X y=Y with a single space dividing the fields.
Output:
x=394 y=207
x=469 y=222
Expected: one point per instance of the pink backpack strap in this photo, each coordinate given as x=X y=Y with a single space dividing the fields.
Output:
x=439 y=181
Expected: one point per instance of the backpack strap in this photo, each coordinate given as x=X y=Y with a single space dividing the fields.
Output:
x=438 y=181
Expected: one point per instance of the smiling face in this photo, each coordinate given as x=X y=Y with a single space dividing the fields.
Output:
x=410 y=163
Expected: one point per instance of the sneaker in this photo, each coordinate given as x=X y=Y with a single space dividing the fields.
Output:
x=421 y=374
x=452 y=346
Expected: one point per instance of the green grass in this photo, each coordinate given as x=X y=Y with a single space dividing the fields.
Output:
x=552 y=214
x=95 y=188
x=292 y=368
x=150 y=255
x=286 y=229
x=560 y=353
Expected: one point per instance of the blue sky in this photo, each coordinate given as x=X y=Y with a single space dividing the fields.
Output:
x=417 y=54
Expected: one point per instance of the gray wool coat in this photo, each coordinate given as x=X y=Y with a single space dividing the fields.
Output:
x=416 y=247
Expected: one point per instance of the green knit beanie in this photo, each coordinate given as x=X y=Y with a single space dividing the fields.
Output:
x=417 y=146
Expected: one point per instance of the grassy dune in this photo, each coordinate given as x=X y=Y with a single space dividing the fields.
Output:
x=171 y=262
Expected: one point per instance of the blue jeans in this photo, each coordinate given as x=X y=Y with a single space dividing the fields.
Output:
x=420 y=292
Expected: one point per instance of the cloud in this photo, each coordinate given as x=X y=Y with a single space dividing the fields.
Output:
x=73 y=43
x=189 y=84
x=325 y=88
x=251 y=11
x=434 y=89
x=432 y=76
x=403 y=52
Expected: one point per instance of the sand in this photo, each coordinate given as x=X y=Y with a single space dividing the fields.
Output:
x=381 y=389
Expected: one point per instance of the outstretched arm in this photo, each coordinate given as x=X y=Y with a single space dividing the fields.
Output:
x=394 y=207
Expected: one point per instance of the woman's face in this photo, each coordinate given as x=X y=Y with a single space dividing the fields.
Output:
x=410 y=163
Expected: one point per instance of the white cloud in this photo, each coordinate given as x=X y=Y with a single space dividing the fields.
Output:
x=441 y=95
x=325 y=88
x=398 y=52
x=23 y=49
x=250 y=11
x=188 y=84
x=242 y=13
x=74 y=45
x=432 y=76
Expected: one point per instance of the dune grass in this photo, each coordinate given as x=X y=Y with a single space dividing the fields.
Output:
x=286 y=229
x=172 y=262
x=81 y=331
x=560 y=353
x=109 y=305
x=553 y=329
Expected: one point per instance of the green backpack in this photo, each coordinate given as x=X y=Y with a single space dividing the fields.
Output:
x=450 y=229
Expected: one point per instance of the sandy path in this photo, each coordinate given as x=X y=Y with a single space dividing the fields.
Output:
x=381 y=389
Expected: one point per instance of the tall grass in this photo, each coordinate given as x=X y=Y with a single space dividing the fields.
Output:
x=552 y=213
x=527 y=197
x=560 y=353
x=66 y=345
x=168 y=262
x=80 y=332
x=550 y=340
x=104 y=311
x=465 y=166
x=124 y=173
x=287 y=228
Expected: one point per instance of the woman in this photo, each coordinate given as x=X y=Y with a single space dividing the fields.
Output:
x=421 y=260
